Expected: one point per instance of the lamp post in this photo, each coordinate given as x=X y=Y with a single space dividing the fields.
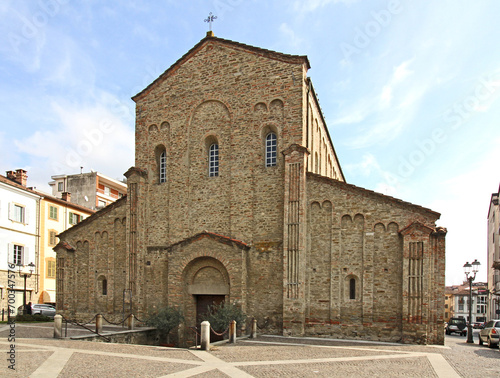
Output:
x=470 y=272
x=26 y=275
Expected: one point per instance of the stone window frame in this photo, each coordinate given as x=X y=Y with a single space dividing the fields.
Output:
x=271 y=149
x=102 y=285
x=160 y=164
x=213 y=155
x=351 y=280
x=265 y=131
x=162 y=168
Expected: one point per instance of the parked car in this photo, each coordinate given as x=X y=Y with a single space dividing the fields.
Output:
x=456 y=325
x=478 y=325
x=490 y=334
x=40 y=309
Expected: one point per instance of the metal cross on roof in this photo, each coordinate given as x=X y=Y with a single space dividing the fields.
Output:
x=210 y=19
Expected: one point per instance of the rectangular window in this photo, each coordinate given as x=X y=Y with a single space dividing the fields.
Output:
x=53 y=212
x=17 y=254
x=74 y=218
x=52 y=238
x=18 y=213
x=60 y=186
x=51 y=269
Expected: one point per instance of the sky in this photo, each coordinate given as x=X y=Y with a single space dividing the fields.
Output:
x=409 y=90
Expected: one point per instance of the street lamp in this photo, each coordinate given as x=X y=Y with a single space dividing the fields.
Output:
x=26 y=275
x=469 y=269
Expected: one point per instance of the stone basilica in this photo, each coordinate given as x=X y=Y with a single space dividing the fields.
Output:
x=237 y=195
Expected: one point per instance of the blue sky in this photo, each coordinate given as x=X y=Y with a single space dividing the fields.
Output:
x=409 y=89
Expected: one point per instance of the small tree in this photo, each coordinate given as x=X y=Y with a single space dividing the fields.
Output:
x=221 y=315
x=165 y=320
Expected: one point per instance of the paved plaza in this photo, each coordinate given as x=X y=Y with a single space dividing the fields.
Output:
x=38 y=355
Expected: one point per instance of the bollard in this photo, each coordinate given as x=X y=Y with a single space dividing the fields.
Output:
x=57 y=326
x=253 y=335
x=130 y=321
x=98 y=323
x=205 y=335
x=232 y=332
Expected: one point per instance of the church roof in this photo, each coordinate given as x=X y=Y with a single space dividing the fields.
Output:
x=119 y=202
x=378 y=195
x=294 y=59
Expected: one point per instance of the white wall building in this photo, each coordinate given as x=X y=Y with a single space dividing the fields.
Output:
x=19 y=235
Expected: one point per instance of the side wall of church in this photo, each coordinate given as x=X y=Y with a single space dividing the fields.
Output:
x=357 y=266
x=322 y=159
x=91 y=279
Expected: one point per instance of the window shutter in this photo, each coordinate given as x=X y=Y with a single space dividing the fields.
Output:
x=11 y=211
x=70 y=218
x=26 y=215
x=25 y=257
x=10 y=253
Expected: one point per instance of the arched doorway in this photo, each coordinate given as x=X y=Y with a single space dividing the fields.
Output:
x=206 y=282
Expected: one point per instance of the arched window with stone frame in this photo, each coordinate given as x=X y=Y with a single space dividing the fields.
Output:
x=271 y=149
x=351 y=288
x=212 y=148
x=161 y=163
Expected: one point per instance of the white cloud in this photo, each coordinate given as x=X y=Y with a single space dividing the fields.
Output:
x=312 y=5
x=97 y=136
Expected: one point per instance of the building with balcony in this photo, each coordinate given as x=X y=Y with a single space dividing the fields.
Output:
x=92 y=190
x=494 y=257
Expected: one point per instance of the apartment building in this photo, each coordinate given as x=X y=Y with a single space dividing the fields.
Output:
x=56 y=216
x=92 y=190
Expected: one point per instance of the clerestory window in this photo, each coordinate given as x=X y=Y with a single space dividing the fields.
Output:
x=213 y=160
x=271 y=148
x=163 y=167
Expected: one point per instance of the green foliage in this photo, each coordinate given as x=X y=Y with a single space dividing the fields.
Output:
x=33 y=318
x=221 y=315
x=165 y=319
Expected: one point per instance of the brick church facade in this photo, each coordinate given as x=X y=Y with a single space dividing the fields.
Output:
x=237 y=195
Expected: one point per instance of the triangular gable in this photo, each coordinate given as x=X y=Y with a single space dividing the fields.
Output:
x=293 y=59
x=211 y=235
x=417 y=227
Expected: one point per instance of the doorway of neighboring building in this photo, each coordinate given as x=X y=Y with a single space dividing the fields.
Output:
x=203 y=303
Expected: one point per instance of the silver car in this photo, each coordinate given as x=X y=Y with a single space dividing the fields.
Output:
x=43 y=309
x=490 y=334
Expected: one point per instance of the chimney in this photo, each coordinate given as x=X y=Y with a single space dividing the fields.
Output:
x=66 y=196
x=21 y=177
x=11 y=175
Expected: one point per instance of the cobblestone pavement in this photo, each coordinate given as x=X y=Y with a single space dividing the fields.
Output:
x=38 y=355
